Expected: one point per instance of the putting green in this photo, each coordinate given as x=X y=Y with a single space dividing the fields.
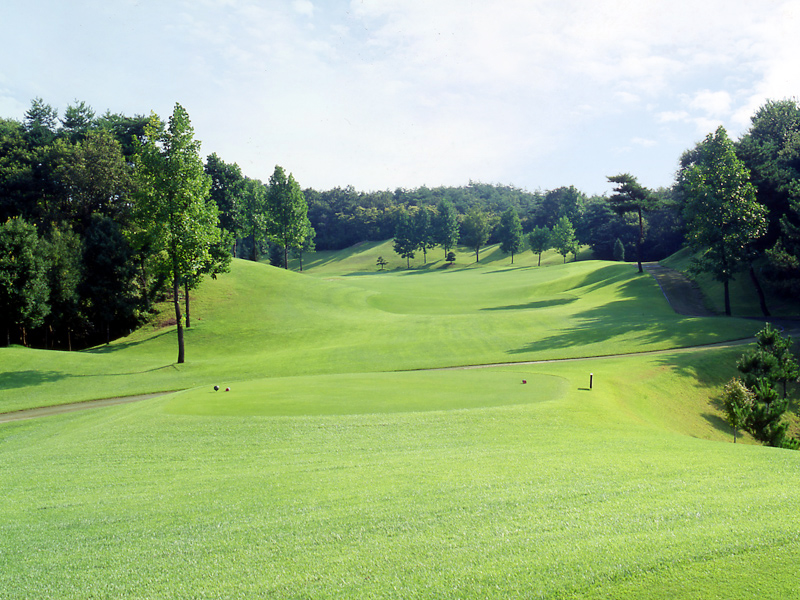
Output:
x=350 y=394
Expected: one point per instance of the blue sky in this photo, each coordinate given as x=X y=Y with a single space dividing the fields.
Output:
x=381 y=94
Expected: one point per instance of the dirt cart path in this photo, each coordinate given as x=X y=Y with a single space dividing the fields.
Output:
x=682 y=293
x=46 y=411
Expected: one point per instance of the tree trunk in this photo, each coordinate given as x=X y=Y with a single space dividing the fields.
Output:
x=286 y=257
x=762 y=300
x=177 y=303
x=512 y=258
x=540 y=260
x=108 y=332
x=186 y=299
x=69 y=338
x=727 y=298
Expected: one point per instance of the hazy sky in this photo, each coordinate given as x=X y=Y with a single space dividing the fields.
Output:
x=382 y=94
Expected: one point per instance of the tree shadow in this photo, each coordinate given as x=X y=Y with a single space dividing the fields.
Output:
x=118 y=346
x=627 y=318
x=10 y=380
x=535 y=304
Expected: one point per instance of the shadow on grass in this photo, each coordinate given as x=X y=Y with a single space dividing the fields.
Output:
x=21 y=379
x=535 y=304
x=632 y=318
x=117 y=346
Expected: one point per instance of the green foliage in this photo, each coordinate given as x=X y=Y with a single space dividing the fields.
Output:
x=476 y=229
x=737 y=402
x=450 y=258
x=382 y=262
x=405 y=242
x=445 y=226
x=563 y=239
x=619 y=251
x=23 y=277
x=510 y=233
x=423 y=231
x=630 y=196
x=287 y=212
x=539 y=241
x=763 y=368
x=172 y=203
x=722 y=214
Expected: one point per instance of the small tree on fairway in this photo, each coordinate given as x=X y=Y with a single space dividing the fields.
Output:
x=404 y=241
x=563 y=237
x=510 y=233
x=445 y=226
x=737 y=402
x=423 y=231
x=382 y=262
x=539 y=241
x=451 y=257
x=476 y=228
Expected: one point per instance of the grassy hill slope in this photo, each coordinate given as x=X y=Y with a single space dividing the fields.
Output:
x=260 y=321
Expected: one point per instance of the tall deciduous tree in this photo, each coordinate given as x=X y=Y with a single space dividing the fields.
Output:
x=446 y=229
x=563 y=239
x=173 y=192
x=539 y=241
x=476 y=230
x=631 y=196
x=288 y=212
x=253 y=213
x=723 y=217
x=510 y=233
x=227 y=190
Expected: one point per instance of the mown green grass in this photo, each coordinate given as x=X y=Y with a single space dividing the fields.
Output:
x=597 y=493
x=335 y=469
x=259 y=321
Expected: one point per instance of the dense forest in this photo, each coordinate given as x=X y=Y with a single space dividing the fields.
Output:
x=103 y=216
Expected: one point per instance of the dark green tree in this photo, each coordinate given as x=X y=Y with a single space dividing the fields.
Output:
x=405 y=243
x=446 y=228
x=381 y=263
x=539 y=241
x=23 y=278
x=253 y=214
x=476 y=229
x=287 y=212
x=631 y=196
x=41 y=122
x=619 y=251
x=78 y=120
x=227 y=191
x=723 y=217
x=770 y=363
x=107 y=289
x=423 y=231
x=64 y=251
x=510 y=233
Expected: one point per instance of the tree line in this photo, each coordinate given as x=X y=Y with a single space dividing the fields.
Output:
x=100 y=217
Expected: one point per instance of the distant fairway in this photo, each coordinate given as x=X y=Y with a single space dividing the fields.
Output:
x=338 y=466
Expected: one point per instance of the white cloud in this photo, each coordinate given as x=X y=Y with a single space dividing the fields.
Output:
x=715 y=104
x=303 y=7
